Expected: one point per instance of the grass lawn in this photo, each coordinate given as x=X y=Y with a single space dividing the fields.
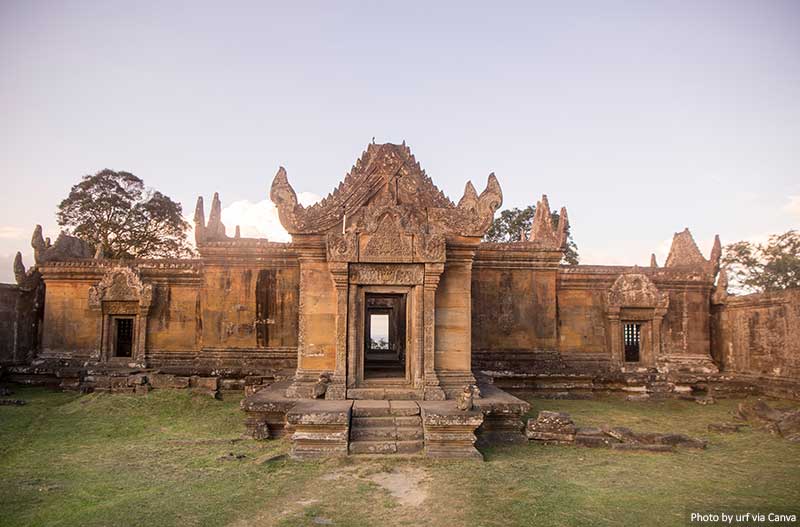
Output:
x=99 y=459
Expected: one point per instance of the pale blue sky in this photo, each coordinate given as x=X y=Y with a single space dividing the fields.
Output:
x=641 y=117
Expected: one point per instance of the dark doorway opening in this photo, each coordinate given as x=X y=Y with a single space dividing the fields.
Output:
x=385 y=336
x=632 y=337
x=123 y=337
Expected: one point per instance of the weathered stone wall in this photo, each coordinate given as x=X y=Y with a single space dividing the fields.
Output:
x=528 y=318
x=453 y=308
x=235 y=319
x=759 y=334
x=20 y=315
x=8 y=321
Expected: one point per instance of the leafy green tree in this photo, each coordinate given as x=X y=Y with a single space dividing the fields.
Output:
x=512 y=224
x=756 y=267
x=114 y=211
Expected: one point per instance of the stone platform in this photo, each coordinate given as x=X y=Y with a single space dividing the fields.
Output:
x=438 y=429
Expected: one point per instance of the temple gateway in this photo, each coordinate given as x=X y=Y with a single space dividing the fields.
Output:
x=386 y=325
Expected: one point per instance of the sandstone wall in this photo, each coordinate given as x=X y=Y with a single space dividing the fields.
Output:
x=8 y=321
x=531 y=319
x=759 y=334
x=453 y=314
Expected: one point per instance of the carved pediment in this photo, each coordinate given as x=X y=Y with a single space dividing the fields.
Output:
x=121 y=284
x=636 y=290
x=387 y=178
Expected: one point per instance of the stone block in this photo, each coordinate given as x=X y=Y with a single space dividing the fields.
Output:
x=204 y=383
x=369 y=408
x=409 y=447
x=373 y=447
x=403 y=408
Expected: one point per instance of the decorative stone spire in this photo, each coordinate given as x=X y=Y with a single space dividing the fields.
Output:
x=653 y=262
x=38 y=244
x=684 y=251
x=199 y=222
x=470 y=198
x=720 y=295
x=215 y=229
x=716 y=255
x=19 y=269
x=563 y=228
x=542 y=228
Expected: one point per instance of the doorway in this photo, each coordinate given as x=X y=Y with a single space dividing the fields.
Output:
x=123 y=337
x=385 y=336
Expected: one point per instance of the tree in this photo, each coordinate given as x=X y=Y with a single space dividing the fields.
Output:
x=114 y=211
x=756 y=267
x=513 y=223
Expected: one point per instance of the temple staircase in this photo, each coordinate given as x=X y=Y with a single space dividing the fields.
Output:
x=385 y=427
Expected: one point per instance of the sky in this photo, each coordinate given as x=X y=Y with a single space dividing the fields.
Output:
x=642 y=118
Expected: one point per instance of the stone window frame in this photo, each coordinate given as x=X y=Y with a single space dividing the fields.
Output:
x=633 y=298
x=121 y=293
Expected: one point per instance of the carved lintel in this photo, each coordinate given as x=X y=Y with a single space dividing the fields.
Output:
x=386 y=274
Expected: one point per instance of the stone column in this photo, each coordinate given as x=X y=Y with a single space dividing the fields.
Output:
x=658 y=316
x=617 y=355
x=139 y=354
x=432 y=391
x=337 y=389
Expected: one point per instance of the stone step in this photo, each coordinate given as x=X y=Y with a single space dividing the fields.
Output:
x=409 y=447
x=410 y=421
x=374 y=434
x=389 y=392
x=373 y=422
x=373 y=447
x=382 y=408
x=409 y=434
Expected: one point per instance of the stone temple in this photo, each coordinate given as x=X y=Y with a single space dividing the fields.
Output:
x=387 y=325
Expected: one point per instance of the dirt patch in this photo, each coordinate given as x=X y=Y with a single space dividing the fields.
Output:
x=406 y=485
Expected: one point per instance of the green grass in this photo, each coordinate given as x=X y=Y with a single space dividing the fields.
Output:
x=68 y=459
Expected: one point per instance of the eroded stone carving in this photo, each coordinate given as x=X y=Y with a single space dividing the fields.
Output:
x=388 y=178
x=720 y=294
x=684 y=253
x=636 y=290
x=66 y=247
x=368 y=274
x=121 y=284
x=543 y=233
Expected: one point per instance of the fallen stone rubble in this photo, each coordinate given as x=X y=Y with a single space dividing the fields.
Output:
x=779 y=421
x=558 y=428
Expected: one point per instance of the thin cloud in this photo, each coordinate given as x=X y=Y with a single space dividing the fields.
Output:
x=8 y=232
x=793 y=207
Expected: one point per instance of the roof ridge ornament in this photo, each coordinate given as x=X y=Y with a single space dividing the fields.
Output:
x=387 y=175
x=684 y=253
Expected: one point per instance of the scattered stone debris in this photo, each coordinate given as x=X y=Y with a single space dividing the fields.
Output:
x=705 y=400
x=638 y=397
x=558 y=428
x=782 y=422
x=13 y=402
x=232 y=457
x=726 y=428
x=319 y=520
x=551 y=427
x=5 y=392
